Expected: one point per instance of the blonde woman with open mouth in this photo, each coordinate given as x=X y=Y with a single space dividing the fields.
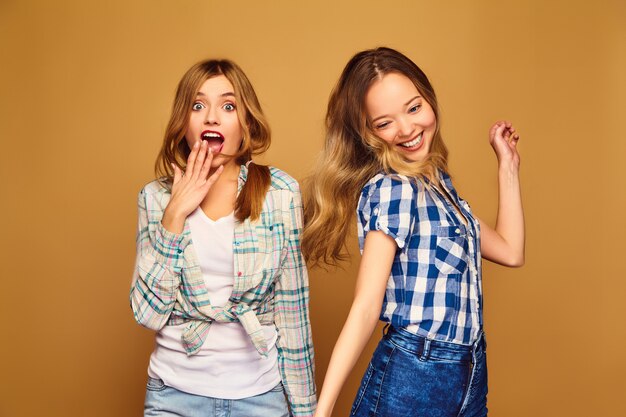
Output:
x=219 y=273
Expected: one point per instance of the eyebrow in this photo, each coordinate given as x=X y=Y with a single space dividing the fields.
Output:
x=227 y=94
x=405 y=104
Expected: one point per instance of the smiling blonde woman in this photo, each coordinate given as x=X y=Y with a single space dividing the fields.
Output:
x=420 y=272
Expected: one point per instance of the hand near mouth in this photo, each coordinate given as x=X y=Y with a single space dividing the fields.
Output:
x=190 y=188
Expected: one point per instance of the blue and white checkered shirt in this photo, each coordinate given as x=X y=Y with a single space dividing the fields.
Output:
x=434 y=288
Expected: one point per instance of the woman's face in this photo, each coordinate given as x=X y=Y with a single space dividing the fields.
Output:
x=400 y=116
x=214 y=120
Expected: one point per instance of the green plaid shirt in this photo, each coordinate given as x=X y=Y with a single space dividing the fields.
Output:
x=271 y=282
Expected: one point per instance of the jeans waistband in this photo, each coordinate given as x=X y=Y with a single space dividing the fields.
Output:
x=430 y=348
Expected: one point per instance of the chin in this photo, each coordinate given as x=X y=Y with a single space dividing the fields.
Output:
x=221 y=160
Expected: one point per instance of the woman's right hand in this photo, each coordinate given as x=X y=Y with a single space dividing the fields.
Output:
x=190 y=187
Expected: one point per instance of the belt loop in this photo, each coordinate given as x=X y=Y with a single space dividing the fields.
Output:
x=480 y=343
x=426 y=350
x=386 y=329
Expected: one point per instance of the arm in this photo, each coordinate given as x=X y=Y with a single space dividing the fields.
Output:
x=160 y=242
x=378 y=254
x=505 y=244
x=157 y=268
x=291 y=309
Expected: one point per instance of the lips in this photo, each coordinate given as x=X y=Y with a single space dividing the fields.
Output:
x=214 y=139
x=413 y=144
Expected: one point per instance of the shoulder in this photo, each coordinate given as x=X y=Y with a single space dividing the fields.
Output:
x=154 y=191
x=154 y=187
x=281 y=181
x=390 y=184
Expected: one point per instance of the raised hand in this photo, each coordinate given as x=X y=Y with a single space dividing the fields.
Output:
x=503 y=140
x=504 y=244
x=190 y=187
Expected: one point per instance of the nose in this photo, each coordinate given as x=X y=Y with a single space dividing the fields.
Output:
x=405 y=128
x=212 y=117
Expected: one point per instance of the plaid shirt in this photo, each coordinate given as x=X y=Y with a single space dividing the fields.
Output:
x=434 y=288
x=271 y=282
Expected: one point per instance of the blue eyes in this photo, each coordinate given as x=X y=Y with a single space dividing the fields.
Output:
x=199 y=106
x=412 y=110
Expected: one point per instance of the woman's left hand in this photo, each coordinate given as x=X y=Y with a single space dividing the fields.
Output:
x=503 y=140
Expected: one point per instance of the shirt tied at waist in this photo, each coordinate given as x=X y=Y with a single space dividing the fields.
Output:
x=196 y=331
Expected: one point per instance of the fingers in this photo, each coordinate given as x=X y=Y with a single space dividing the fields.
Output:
x=497 y=128
x=177 y=173
x=514 y=139
x=200 y=157
x=206 y=166
x=503 y=128
x=492 y=131
x=192 y=157
x=509 y=134
x=500 y=130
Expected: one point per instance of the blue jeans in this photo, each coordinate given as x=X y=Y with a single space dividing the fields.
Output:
x=162 y=400
x=413 y=376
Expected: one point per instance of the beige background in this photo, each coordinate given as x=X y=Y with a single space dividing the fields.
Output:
x=86 y=89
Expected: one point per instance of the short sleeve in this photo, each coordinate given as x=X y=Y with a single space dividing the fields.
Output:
x=387 y=204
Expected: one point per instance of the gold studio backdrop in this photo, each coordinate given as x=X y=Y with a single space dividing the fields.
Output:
x=85 y=94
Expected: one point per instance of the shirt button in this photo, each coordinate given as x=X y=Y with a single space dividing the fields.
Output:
x=179 y=250
x=457 y=231
x=239 y=273
x=271 y=228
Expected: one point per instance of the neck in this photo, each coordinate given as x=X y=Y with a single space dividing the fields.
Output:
x=230 y=172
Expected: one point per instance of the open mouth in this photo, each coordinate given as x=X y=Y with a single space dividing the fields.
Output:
x=415 y=143
x=215 y=140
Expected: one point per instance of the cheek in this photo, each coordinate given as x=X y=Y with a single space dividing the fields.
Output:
x=236 y=132
x=192 y=134
x=236 y=143
x=431 y=120
x=190 y=137
x=387 y=135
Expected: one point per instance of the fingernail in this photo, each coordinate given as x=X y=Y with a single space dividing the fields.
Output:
x=211 y=150
x=195 y=145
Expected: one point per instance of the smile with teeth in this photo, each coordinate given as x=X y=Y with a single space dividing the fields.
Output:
x=414 y=142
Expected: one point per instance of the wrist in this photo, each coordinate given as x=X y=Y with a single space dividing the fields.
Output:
x=323 y=409
x=173 y=221
x=508 y=176
x=508 y=167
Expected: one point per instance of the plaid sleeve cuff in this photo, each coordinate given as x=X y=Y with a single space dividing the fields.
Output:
x=170 y=247
x=303 y=406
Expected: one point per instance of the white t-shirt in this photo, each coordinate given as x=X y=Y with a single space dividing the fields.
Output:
x=227 y=365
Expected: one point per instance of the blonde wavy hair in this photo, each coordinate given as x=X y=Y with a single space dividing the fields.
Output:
x=256 y=132
x=352 y=153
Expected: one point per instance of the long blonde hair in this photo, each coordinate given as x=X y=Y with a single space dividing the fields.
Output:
x=256 y=132
x=352 y=153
